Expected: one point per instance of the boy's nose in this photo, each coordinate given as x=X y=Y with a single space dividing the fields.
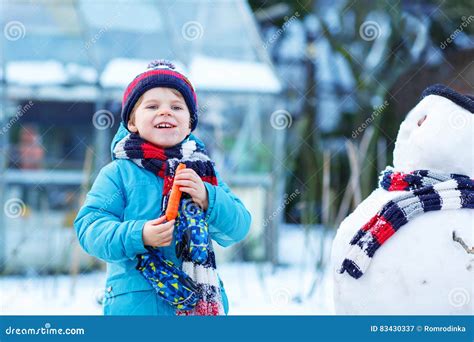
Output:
x=165 y=111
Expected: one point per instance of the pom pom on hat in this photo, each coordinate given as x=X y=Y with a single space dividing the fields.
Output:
x=160 y=63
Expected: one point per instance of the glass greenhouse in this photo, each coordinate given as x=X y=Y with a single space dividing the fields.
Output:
x=64 y=66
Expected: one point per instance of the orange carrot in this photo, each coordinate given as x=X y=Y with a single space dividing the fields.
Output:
x=175 y=196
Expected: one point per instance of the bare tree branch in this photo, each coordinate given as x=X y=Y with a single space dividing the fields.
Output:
x=459 y=240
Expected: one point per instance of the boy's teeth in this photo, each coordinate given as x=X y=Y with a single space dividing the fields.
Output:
x=164 y=126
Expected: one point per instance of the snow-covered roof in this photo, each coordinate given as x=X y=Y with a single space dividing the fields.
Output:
x=35 y=72
x=212 y=74
x=49 y=72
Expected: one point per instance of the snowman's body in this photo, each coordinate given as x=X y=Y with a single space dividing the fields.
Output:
x=420 y=269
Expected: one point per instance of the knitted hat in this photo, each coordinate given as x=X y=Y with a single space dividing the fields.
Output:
x=160 y=73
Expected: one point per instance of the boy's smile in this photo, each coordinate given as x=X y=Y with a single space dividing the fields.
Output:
x=161 y=117
x=165 y=125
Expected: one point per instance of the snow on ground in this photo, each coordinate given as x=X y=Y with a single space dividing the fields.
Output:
x=252 y=288
x=256 y=290
x=51 y=295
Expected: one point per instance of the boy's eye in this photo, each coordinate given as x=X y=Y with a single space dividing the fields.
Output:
x=152 y=107
x=177 y=108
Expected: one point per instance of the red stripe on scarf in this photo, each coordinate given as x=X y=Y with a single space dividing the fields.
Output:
x=382 y=230
x=371 y=223
x=202 y=308
x=168 y=184
x=210 y=179
x=152 y=152
x=398 y=182
x=379 y=228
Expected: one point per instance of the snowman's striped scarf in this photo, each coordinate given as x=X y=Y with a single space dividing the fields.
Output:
x=425 y=191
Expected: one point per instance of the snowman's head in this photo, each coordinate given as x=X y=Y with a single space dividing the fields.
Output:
x=438 y=134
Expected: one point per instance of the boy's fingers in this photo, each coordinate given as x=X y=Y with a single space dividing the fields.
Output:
x=169 y=224
x=168 y=236
x=185 y=178
x=164 y=223
x=183 y=182
x=186 y=173
x=164 y=237
x=187 y=190
x=166 y=231
x=164 y=243
x=158 y=220
x=168 y=240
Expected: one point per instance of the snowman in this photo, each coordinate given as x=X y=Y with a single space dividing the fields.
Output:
x=407 y=249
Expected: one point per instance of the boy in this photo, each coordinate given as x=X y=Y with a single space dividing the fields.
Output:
x=155 y=266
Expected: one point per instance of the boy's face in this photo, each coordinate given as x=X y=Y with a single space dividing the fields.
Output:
x=162 y=118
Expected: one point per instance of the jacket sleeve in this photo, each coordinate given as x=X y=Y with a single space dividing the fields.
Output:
x=229 y=220
x=99 y=224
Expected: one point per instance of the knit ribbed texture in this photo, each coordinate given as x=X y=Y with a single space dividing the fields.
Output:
x=159 y=74
x=425 y=191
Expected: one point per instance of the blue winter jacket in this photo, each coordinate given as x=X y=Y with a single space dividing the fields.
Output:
x=109 y=226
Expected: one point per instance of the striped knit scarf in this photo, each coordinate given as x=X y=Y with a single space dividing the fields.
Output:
x=425 y=191
x=193 y=289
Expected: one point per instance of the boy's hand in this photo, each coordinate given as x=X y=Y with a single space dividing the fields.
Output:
x=158 y=233
x=192 y=184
